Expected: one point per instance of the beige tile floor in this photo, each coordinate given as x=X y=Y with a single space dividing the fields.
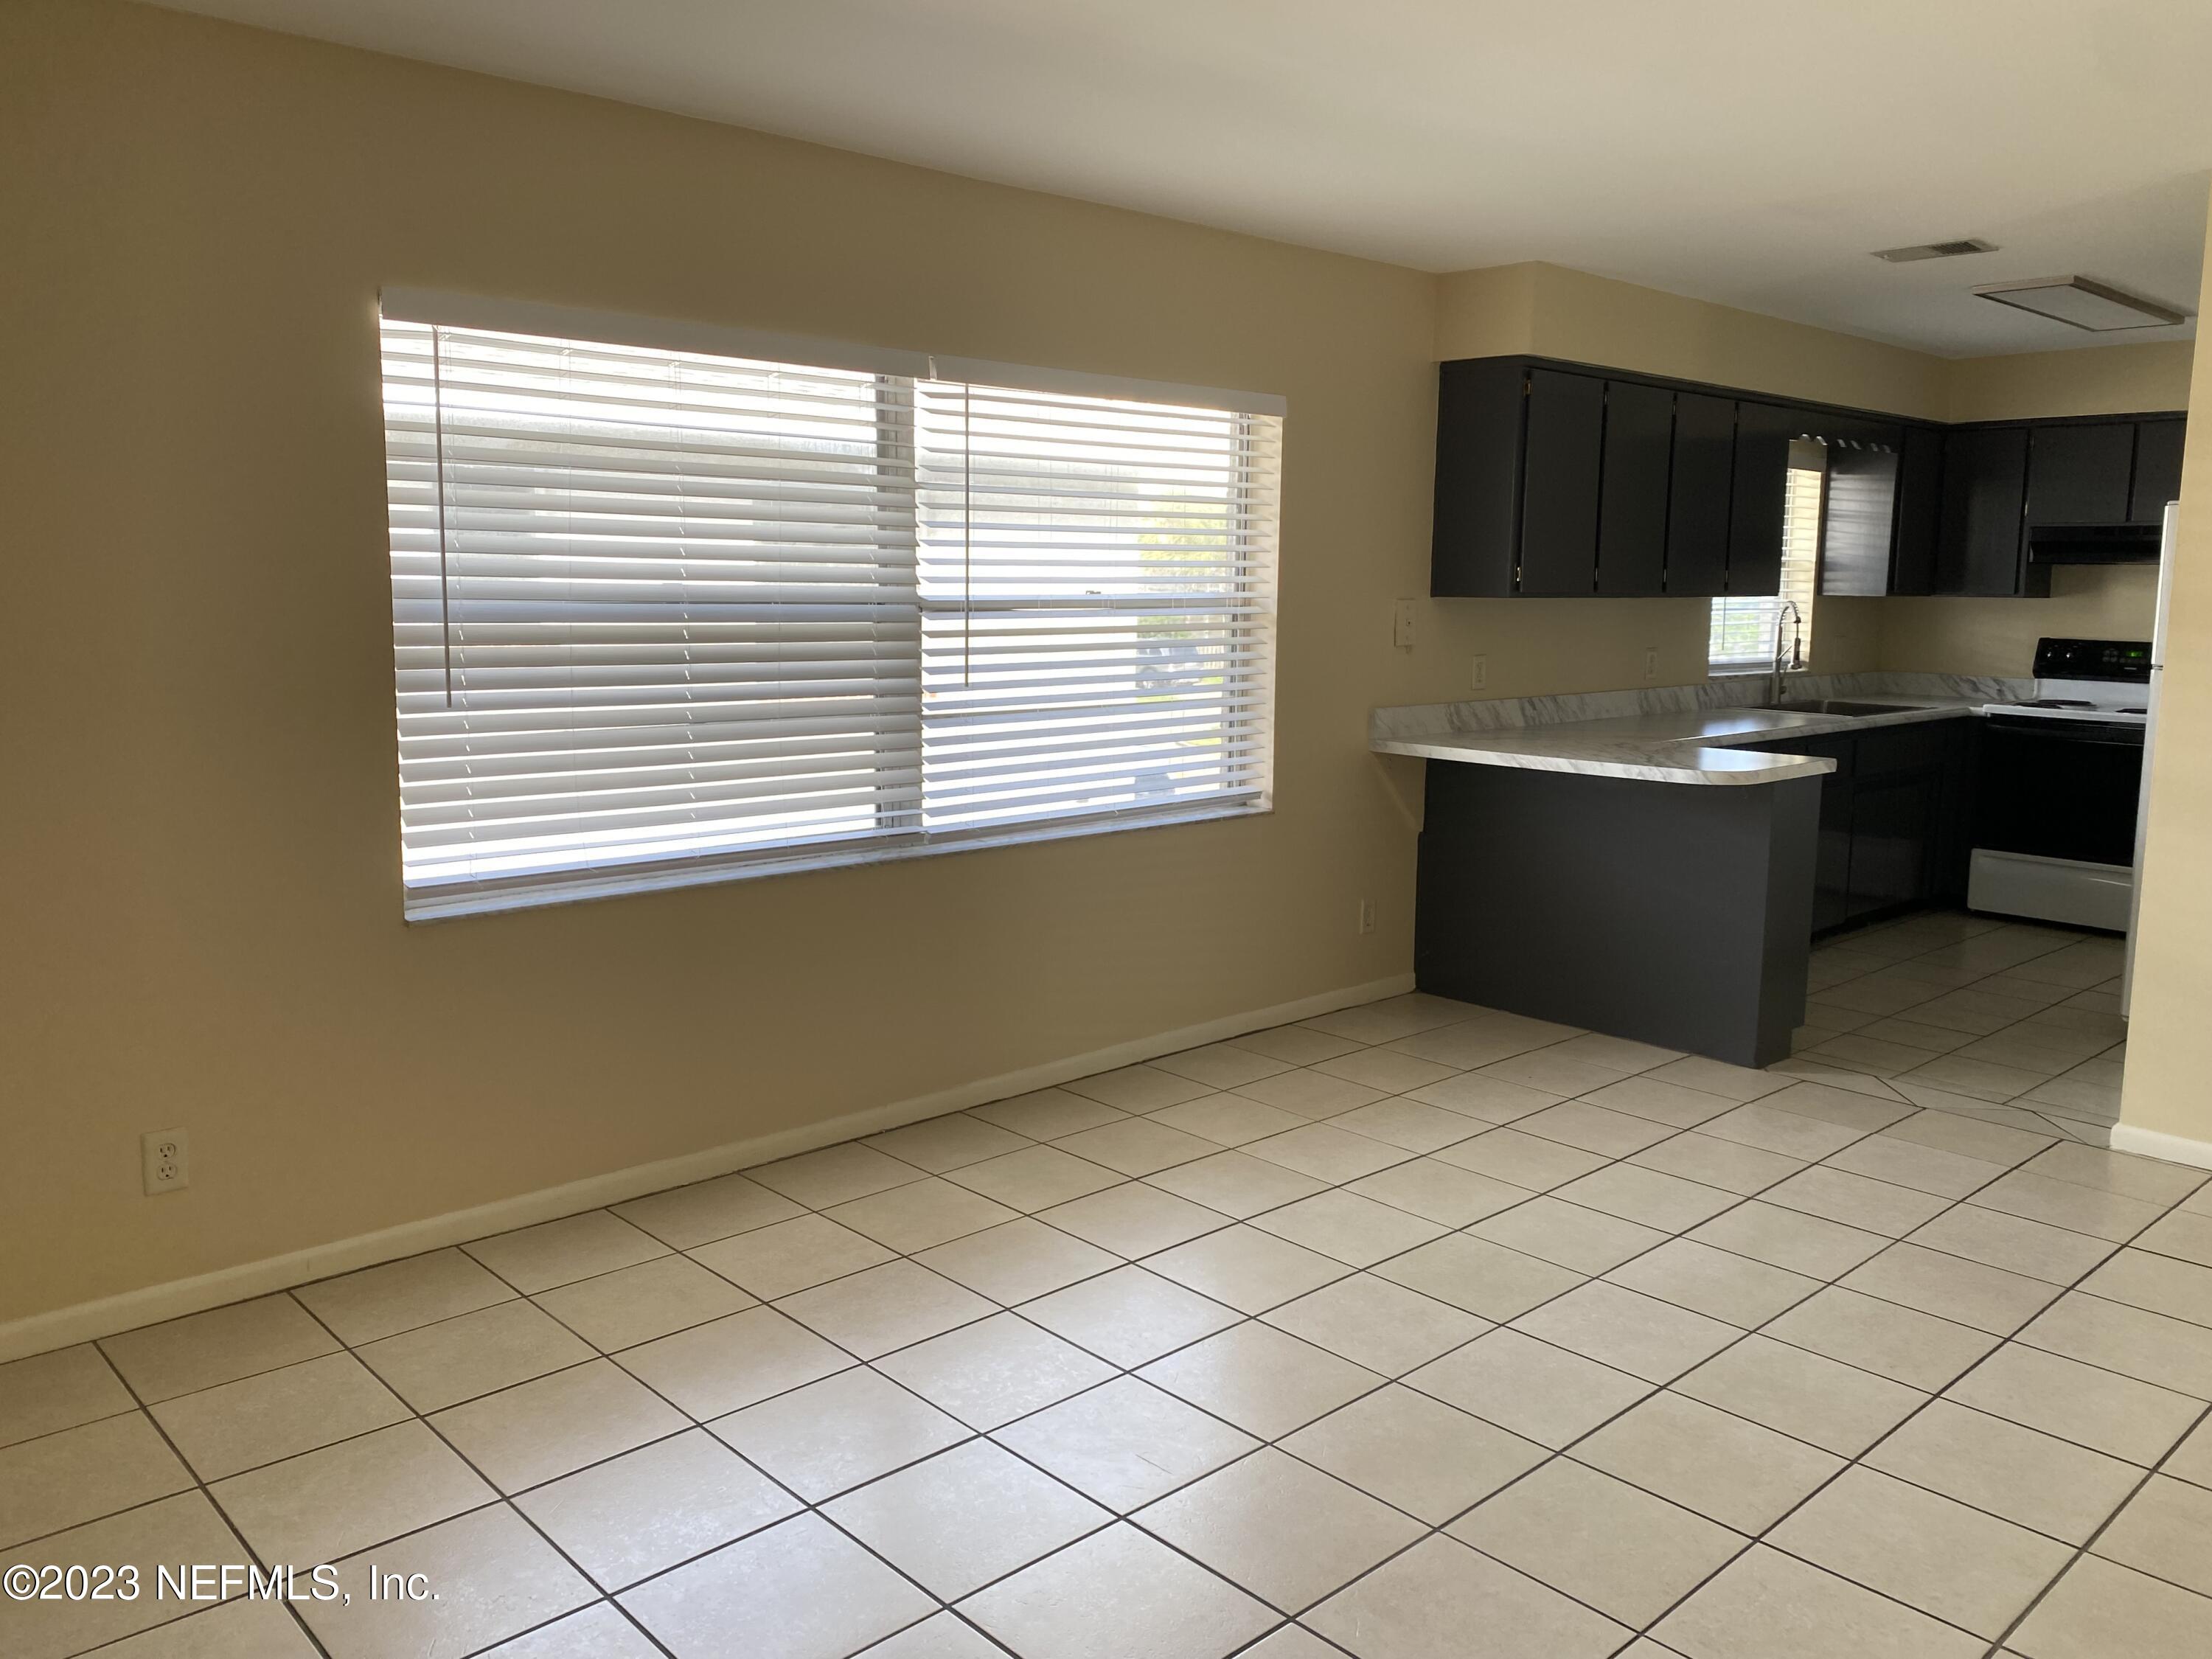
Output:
x=1416 y=1331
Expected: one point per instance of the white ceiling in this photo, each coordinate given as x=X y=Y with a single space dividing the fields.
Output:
x=1748 y=151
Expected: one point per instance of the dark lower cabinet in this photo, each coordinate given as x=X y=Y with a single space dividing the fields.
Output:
x=1892 y=843
x=1832 y=857
x=1893 y=819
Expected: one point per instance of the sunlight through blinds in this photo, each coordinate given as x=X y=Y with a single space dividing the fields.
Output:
x=659 y=611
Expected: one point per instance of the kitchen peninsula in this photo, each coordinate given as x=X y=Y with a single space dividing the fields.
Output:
x=1645 y=864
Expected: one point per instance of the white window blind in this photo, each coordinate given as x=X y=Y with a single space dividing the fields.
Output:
x=667 y=615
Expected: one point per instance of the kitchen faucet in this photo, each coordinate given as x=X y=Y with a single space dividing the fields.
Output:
x=1795 y=654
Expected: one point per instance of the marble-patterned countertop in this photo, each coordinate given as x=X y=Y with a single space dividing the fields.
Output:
x=1691 y=742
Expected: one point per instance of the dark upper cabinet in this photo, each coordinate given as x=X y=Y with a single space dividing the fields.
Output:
x=1763 y=432
x=1631 y=520
x=2079 y=474
x=1481 y=408
x=1560 y=483
x=1702 y=481
x=1858 y=520
x=1919 y=510
x=2158 y=469
x=1984 y=503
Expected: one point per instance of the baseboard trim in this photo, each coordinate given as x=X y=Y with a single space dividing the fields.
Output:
x=2156 y=1143
x=81 y=1322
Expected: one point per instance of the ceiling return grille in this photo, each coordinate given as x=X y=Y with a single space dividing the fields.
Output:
x=662 y=616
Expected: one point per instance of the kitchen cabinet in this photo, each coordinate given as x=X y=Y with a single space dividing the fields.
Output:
x=1560 y=484
x=1984 y=512
x=1566 y=480
x=1701 y=478
x=1633 y=497
x=1760 y=487
x=1858 y=521
x=1919 y=510
x=1481 y=408
x=1893 y=819
x=2158 y=469
x=2079 y=474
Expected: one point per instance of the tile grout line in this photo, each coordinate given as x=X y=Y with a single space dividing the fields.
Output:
x=2088 y=1545
x=1911 y=1108
x=214 y=1503
x=1857 y=1461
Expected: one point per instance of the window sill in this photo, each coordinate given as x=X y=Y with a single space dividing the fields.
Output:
x=443 y=904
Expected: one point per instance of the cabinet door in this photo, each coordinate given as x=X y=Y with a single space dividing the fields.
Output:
x=1760 y=488
x=2158 y=470
x=1632 y=521
x=1919 y=510
x=1479 y=410
x=1560 y=483
x=1832 y=853
x=2079 y=474
x=1984 y=498
x=1953 y=853
x=1858 y=520
x=1893 y=827
x=1701 y=478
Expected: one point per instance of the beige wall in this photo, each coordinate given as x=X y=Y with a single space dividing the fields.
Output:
x=2108 y=380
x=1555 y=312
x=1998 y=637
x=200 y=909
x=2168 y=1087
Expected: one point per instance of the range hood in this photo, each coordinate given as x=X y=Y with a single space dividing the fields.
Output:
x=2092 y=543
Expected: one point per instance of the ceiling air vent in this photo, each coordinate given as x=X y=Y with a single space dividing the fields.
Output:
x=1905 y=256
x=2080 y=303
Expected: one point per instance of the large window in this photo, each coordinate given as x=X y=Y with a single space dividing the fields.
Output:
x=1746 y=630
x=665 y=615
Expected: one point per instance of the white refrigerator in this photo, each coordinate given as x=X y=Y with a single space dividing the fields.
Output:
x=2158 y=646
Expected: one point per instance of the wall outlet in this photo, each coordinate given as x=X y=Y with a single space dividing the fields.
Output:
x=1367 y=915
x=166 y=1156
x=1650 y=662
x=1481 y=678
x=1401 y=625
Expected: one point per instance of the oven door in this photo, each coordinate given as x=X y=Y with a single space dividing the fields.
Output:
x=2055 y=805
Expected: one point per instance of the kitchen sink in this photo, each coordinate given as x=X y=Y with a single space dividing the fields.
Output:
x=1837 y=706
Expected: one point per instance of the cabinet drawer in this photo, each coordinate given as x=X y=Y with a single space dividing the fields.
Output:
x=1885 y=750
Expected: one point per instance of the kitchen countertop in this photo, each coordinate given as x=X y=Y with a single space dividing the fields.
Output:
x=1692 y=746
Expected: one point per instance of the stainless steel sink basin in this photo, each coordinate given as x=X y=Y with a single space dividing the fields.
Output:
x=1837 y=706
